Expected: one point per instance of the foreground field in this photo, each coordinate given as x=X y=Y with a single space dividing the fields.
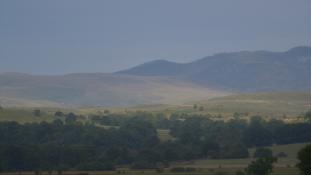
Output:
x=219 y=171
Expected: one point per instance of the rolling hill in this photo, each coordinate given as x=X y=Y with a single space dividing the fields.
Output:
x=270 y=104
x=97 y=89
x=267 y=104
x=245 y=71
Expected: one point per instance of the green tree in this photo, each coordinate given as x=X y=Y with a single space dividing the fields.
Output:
x=304 y=156
x=262 y=166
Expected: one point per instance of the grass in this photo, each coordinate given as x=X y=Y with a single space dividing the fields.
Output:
x=287 y=106
x=272 y=105
x=275 y=104
x=24 y=115
x=97 y=89
x=219 y=171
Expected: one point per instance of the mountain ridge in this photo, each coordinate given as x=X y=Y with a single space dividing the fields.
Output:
x=251 y=71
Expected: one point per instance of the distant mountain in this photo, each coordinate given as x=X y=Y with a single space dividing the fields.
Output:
x=96 y=89
x=245 y=71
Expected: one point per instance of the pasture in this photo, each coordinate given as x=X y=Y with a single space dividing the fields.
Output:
x=211 y=171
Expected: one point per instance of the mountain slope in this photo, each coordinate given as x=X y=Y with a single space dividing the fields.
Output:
x=245 y=71
x=97 y=90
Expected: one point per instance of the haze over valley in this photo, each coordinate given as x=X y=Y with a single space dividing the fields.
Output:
x=158 y=87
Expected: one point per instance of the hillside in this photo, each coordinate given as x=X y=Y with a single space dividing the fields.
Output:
x=271 y=104
x=97 y=90
x=245 y=71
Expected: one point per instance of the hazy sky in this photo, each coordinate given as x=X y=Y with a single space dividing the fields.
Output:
x=63 y=36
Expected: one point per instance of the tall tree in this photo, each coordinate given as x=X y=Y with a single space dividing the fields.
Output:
x=304 y=156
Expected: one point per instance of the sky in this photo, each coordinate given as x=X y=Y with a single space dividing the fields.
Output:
x=67 y=36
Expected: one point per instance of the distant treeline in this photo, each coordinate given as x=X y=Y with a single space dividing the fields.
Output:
x=70 y=144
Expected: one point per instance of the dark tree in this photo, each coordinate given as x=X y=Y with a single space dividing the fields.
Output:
x=304 y=156
x=262 y=166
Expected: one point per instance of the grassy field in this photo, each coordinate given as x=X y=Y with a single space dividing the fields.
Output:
x=24 y=115
x=288 y=106
x=271 y=105
x=217 y=171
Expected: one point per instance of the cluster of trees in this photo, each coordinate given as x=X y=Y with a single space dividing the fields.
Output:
x=70 y=144
x=231 y=139
x=158 y=120
x=58 y=145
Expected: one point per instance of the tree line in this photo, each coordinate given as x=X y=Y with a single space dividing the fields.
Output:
x=70 y=144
